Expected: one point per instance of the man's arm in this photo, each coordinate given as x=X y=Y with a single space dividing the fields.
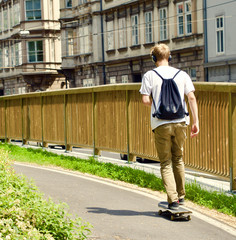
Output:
x=194 y=109
x=146 y=100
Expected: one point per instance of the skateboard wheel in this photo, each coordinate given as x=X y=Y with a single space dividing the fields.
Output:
x=172 y=218
x=160 y=212
x=189 y=217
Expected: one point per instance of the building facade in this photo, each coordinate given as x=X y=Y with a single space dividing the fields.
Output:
x=220 y=57
x=30 y=48
x=108 y=41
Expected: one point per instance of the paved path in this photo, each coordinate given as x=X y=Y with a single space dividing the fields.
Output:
x=119 y=213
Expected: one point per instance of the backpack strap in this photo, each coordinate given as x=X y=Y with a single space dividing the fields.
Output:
x=176 y=74
x=162 y=77
x=158 y=74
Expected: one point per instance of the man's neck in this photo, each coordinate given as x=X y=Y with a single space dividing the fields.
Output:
x=163 y=62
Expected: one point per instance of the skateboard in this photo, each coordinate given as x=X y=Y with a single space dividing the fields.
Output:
x=174 y=214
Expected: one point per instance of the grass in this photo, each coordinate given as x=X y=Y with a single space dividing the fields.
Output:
x=26 y=215
x=222 y=202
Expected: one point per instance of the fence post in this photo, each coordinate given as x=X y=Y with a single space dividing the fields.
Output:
x=67 y=147
x=22 y=120
x=96 y=151
x=5 y=118
x=42 y=120
x=131 y=157
x=232 y=140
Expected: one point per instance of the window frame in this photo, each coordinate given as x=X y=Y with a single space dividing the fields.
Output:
x=163 y=24
x=16 y=14
x=1 y=57
x=6 y=57
x=35 y=51
x=222 y=38
x=69 y=42
x=188 y=13
x=110 y=35
x=122 y=32
x=1 y=20
x=84 y=39
x=180 y=15
x=68 y=3
x=135 y=30
x=184 y=18
x=33 y=10
x=5 y=19
x=148 y=27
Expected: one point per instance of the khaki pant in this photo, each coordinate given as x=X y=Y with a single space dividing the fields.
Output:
x=169 y=139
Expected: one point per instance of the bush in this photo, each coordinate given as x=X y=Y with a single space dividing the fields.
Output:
x=25 y=214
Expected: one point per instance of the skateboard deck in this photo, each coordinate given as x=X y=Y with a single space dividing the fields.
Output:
x=174 y=214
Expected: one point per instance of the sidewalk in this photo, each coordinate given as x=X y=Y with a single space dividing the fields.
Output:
x=207 y=181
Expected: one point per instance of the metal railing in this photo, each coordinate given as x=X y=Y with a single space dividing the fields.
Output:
x=113 y=118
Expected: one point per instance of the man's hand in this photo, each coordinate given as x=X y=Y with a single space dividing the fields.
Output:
x=146 y=100
x=194 y=109
x=194 y=130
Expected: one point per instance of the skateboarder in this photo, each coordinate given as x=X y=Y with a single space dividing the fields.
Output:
x=170 y=134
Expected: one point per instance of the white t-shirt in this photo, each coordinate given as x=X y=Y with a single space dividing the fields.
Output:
x=151 y=85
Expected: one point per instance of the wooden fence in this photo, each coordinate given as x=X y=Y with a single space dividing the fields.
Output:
x=113 y=118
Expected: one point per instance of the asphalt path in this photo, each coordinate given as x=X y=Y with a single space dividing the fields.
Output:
x=118 y=212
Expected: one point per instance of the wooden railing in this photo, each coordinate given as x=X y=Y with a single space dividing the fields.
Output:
x=113 y=118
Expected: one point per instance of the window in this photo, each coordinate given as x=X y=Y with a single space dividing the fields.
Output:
x=180 y=19
x=148 y=27
x=1 y=25
x=69 y=42
x=125 y=78
x=10 y=9
x=84 y=40
x=163 y=24
x=21 y=90
x=82 y=1
x=6 y=56
x=220 y=34
x=12 y=64
x=5 y=19
x=88 y=82
x=18 y=54
x=68 y=3
x=184 y=18
x=16 y=14
x=135 y=31
x=113 y=80
x=33 y=9
x=1 y=56
x=35 y=51
x=122 y=33
x=110 y=35
x=188 y=17
x=192 y=72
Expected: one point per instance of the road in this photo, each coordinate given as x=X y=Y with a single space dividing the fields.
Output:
x=118 y=212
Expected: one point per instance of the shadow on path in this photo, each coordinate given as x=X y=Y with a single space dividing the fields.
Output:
x=121 y=212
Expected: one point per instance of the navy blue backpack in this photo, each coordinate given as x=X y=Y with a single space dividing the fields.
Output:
x=170 y=104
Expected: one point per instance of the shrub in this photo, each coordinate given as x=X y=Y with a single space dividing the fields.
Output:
x=25 y=214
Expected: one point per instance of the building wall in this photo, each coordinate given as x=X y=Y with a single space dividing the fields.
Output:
x=187 y=50
x=111 y=54
x=221 y=65
x=29 y=61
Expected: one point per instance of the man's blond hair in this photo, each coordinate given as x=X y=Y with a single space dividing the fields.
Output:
x=160 y=51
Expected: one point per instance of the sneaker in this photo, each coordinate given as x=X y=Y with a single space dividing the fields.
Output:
x=173 y=206
x=181 y=201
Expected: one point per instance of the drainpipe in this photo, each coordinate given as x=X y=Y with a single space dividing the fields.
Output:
x=103 y=48
x=205 y=38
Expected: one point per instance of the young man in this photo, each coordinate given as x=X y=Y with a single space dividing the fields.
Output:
x=170 y=135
